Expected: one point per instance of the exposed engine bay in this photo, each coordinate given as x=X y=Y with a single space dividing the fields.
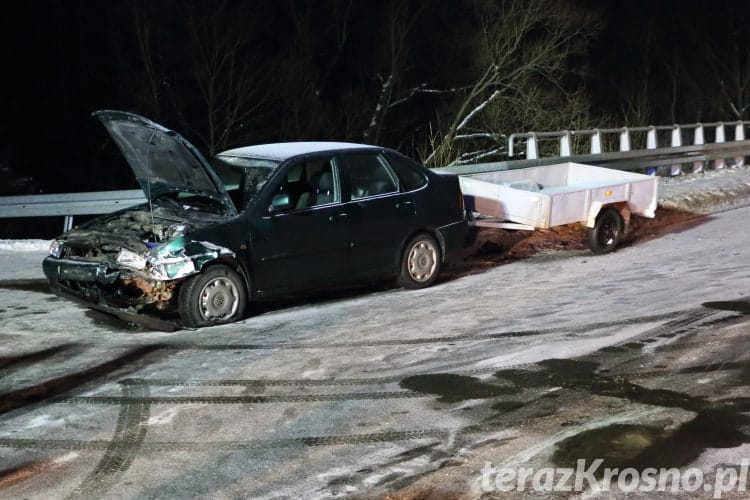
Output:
x=137 y=230
x=136 y=258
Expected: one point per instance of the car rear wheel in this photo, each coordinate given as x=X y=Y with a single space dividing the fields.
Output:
x=420 y=263
x=607 y=231
x=213 y=297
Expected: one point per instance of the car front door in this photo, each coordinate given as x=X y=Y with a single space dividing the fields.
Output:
x=381 y=217
x=302 y=239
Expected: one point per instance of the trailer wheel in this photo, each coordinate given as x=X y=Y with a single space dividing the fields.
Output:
x=606 y=233
x=420 y=263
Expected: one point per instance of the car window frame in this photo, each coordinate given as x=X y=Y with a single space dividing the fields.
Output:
x=411 y=164
x=382 y=160
x=283 y=171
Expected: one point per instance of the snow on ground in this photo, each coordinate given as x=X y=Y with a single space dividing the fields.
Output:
x=24 y=246
x=707 y=191
x=22 y=259
x=330 y=373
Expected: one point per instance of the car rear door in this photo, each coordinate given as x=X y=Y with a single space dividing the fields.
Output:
x=381 y=217
x=306 y=243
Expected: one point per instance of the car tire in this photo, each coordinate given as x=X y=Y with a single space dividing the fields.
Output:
x=213 y=297
x=420 y=262
x=606 y=233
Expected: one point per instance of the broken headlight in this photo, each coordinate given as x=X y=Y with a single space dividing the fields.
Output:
x=56 y=248
x=131 y=259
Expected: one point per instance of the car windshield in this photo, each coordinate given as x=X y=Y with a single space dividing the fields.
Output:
x=243 y=177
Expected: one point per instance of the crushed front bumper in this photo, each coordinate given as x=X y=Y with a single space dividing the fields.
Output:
x=57 y=270
x=96 y=285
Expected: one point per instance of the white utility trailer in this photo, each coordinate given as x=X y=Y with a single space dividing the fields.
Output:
x=541 y=197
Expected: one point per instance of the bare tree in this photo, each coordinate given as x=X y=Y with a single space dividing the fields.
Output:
x=637 y=106
x=730 y=68
x=204 y=73
x=691 y=75
x=399 y=24
x=313 y=100
x=525 y=57
x=151 y=96
x=227 y=72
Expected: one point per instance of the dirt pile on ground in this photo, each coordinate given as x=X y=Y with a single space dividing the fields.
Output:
x=492 y=247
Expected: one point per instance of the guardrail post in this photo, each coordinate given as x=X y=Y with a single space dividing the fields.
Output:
x=719 y=139
x=68 y=223
x=511 y=141
x=625 y=139
x=676 y=142
x=651 y=143
x=739 y=135
x=531 y=149
x=596 y=142
x=698 y=140
x=565 y=144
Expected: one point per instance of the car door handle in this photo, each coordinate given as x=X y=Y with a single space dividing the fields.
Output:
x=404 y=204
x=337 y=217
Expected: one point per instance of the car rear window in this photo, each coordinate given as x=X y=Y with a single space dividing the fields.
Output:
x=369 y=176
x=408 y=172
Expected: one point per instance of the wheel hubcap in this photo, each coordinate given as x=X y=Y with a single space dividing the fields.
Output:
x=219 y=299
x=422 y=261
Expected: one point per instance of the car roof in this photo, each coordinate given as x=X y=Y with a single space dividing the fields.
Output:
x=285 y=150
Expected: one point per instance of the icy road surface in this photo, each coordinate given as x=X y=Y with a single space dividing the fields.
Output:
x=363 y=393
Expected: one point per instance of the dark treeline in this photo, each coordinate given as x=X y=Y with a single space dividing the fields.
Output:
x=444 y=81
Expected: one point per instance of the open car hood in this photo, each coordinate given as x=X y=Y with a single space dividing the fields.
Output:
x=162 y=160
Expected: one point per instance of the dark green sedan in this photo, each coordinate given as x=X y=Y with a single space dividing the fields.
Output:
x=258 y=222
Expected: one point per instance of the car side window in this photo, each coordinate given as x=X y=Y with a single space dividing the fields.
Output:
x=310 y=183
x=369 y=175
x=408 y=172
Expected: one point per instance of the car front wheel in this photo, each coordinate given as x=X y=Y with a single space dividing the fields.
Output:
x=420 y=263
x=213 y=297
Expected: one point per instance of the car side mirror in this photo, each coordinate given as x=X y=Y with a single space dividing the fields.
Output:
x=279 y=203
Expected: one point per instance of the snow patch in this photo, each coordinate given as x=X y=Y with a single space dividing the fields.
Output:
x=164 y=417
x=65 y=458
x=44 y=421
x=24 y=245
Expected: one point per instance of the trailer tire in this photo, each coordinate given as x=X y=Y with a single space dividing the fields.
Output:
x=420 y=262
x=607 y=231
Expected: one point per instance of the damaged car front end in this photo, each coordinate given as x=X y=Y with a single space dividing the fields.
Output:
x=130 y=263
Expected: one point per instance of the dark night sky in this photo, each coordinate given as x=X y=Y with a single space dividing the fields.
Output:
x=64 y=59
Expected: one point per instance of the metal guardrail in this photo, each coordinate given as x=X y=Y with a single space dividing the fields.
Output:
x=671 y=147
x=678 y=135
x=698 y=157
x=69 y=204
x=699 y=145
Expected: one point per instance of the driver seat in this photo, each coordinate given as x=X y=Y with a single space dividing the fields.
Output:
x=320 y=193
